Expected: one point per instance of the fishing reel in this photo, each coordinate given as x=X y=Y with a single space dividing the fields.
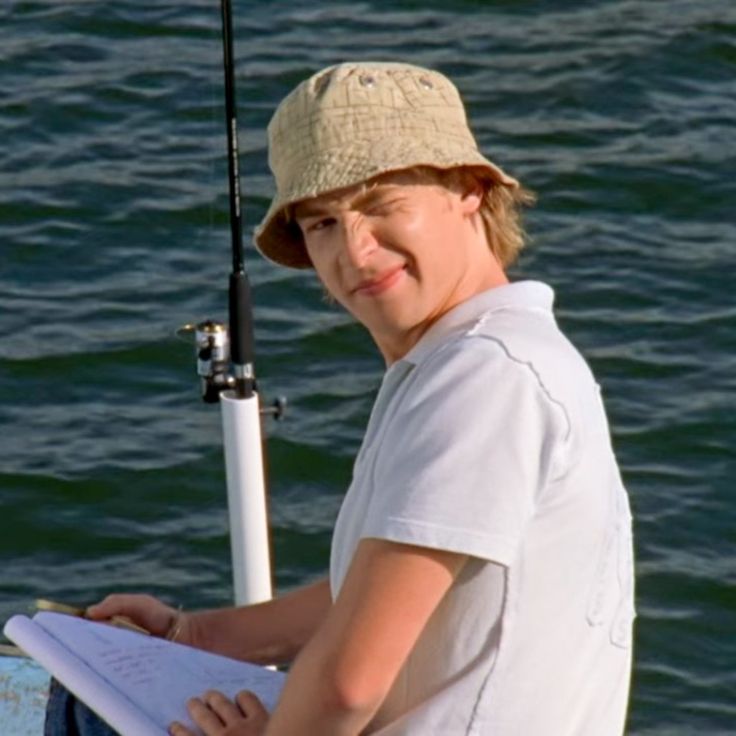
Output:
x=212 y=345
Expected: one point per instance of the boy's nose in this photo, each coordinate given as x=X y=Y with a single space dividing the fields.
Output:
x=359 y=241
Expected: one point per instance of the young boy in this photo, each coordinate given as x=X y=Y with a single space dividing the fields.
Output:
x=481 y=576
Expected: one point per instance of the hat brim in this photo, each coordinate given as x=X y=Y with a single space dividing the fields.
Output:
x=280 y=241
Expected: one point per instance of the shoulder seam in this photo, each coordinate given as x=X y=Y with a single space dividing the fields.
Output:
x=529 y=365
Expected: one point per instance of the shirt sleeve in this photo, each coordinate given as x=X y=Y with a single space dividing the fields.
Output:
x=465 y=455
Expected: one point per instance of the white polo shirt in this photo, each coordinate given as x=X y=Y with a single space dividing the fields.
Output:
x=489 y=439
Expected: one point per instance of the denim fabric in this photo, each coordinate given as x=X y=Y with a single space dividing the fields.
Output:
x=67 y=716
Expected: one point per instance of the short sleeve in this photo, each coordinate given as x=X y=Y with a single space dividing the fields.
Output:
x=466 y=453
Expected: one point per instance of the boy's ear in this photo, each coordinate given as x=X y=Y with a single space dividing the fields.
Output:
x=472 y=197
x=471 y=190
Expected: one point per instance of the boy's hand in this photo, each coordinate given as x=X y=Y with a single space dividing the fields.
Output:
x=146 y=611
x=217 y=715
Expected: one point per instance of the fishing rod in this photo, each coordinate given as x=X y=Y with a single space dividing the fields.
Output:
x=250 y=545
x=225 y=364
x=239 y=302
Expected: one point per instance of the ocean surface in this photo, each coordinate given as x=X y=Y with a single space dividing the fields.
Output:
x=620 y=115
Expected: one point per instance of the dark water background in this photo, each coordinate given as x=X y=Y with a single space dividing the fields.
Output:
x=113 y=231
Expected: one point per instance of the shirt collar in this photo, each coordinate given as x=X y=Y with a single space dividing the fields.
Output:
x=522 y=294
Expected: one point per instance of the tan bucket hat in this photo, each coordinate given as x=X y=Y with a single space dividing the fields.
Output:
x=351 y=122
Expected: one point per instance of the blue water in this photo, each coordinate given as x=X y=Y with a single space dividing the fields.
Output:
x=621 y=115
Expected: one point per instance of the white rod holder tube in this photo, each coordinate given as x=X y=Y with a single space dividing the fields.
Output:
x=246 y=494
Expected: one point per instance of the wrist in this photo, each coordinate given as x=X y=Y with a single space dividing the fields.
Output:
x=179 y=628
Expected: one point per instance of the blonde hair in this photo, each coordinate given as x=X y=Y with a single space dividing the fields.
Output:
x=500 y=209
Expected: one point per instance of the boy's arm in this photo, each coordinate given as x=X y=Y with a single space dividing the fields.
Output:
x=343 y=674
x=273 y=632
x=265 y=633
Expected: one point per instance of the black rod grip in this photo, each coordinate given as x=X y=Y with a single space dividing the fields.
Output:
x=242 y=343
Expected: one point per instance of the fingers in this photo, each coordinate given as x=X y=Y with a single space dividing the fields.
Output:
x=213 y=713
x=120 y=604
x=223 y=708
x=217 y=715
x=179 y=729
x=251 y=707
x=144 y=610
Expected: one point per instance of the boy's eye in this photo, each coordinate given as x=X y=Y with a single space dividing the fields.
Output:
x=319 y=224
x=382 y=207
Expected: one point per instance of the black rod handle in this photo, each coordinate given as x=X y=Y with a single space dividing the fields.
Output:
x=241 y=334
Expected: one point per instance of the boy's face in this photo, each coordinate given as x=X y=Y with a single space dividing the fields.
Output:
x=397 y=254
